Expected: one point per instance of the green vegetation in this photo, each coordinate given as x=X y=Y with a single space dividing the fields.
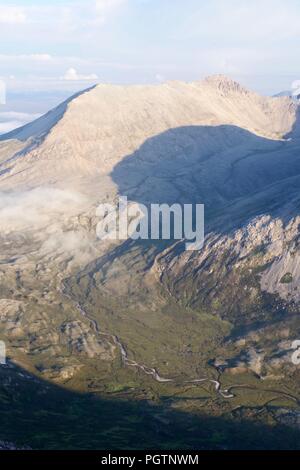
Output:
x=180 y=327
x=287 y=278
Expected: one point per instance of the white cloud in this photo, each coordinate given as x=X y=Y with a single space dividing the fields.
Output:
x=24 y=117
x=36 y=208
x=242 y=20
x=2 y=92
x=103 y=6
x=296 y=85
x=72 y=75
x=24 y=57
x=8 y=126
x=38 y=57
x=121 y=41
x=296 y=88
x=44 y=210
x=12 y=15
x=106 y=7
x=11 y=120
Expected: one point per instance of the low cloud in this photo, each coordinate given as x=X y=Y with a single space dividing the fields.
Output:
x=296 y=88
x=75 y=243
x=48 y=217
x=25 y=57
x=37 y=208
x=2 y=92
x=8 y=126
x=38 y=57
x=11 y=120
x=72 y=75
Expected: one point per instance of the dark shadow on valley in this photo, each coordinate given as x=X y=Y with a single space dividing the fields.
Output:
x=45 y=416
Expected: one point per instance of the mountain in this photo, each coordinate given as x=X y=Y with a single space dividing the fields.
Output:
x=287 y=93
x=149 y=320
x=295 y=94
x=89 y=132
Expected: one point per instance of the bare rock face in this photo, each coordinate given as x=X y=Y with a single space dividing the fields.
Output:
x=80 y=339
x=283 y=277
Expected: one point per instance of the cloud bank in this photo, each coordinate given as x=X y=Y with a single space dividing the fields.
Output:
x=46 y=219
x=11 y=120
x=34 y=209
x=72 y=75
x=124 y=41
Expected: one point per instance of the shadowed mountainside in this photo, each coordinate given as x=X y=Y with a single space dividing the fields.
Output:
x=221 y=167
x=41 y=415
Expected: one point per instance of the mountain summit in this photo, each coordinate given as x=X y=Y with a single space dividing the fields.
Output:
x=94 y=130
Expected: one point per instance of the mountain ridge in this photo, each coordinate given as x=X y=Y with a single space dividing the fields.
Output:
x=85 y=126
x=147 y=318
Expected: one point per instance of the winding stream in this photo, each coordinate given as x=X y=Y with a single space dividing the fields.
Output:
x=131 y=363
x=224 y=393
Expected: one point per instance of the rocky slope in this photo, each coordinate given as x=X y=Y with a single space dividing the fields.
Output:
x=93 y=314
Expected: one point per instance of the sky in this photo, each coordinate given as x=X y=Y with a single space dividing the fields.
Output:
x=50 y=49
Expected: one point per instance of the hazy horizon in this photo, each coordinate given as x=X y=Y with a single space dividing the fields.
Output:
x=71 y=45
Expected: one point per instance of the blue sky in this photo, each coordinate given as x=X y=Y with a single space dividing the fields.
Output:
x=60 y=46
